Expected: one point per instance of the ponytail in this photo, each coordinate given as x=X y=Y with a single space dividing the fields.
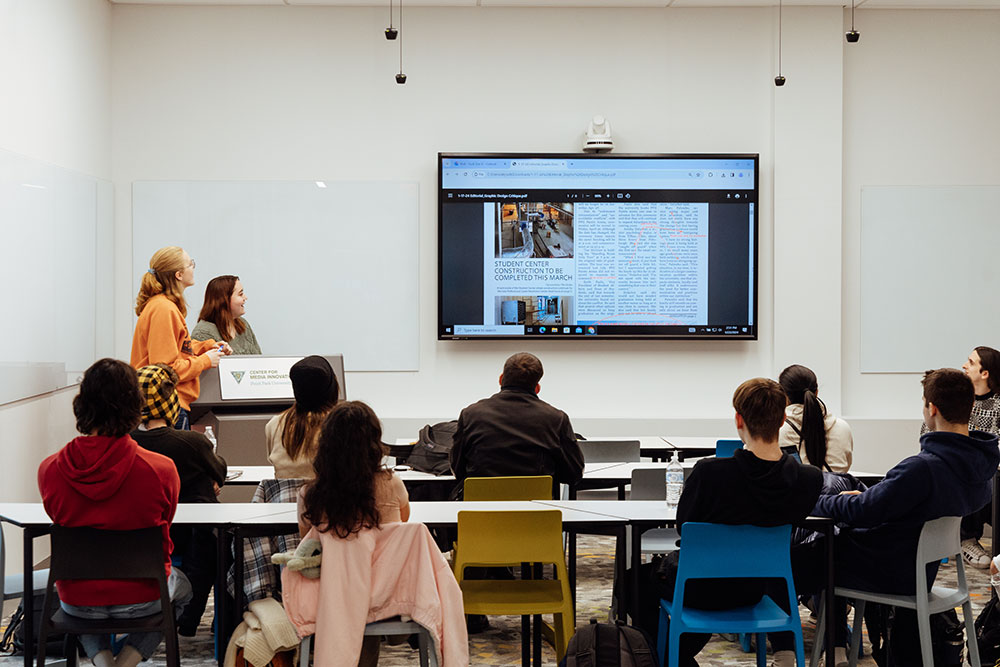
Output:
x=813 y=429
x=161 y=278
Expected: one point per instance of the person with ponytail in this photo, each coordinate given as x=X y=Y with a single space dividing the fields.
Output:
x=161 y=333
x=221 y=316
x=820 y=438
x=292 y=436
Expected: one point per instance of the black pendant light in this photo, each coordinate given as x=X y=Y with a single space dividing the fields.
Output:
x=779 y=80
x=400 y=78
x=390 y=32
x=852 y=35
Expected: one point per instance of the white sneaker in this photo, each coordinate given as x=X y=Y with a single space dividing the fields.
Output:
x=839 y=657
x=783 y=659
x=974 y=554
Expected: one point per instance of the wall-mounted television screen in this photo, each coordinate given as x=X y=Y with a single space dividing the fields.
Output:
x=597 y=246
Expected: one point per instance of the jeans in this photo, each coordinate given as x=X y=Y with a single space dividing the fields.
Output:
x=183 y=422
x=143 y=642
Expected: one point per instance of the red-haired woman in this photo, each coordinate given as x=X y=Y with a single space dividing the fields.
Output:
x=221 y=316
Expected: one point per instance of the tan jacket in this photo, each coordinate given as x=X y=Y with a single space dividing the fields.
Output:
x=839 y=440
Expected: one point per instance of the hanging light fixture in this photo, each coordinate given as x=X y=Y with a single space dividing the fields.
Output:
x=400 y=78
x=390 y=32
x=779 y=80
x=852 y=35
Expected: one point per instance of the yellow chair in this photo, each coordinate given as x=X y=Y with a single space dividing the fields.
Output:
x=538 y=487
x=491 y=539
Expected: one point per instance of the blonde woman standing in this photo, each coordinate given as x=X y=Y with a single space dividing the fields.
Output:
x=161 y=334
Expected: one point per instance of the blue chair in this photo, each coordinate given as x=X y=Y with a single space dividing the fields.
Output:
x=715 y=551
x=725 y=448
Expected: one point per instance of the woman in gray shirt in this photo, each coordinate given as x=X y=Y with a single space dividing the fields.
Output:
x=221 y=316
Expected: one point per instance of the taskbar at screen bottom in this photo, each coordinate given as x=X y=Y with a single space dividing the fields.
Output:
x=557 y=330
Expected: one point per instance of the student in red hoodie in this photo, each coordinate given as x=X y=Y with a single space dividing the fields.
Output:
x=103 y=479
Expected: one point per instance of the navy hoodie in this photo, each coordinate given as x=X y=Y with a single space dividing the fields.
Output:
x=951 y=476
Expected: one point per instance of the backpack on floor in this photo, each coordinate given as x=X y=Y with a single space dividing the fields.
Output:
x=988 y=633
x=895 y=640
x=606 y=645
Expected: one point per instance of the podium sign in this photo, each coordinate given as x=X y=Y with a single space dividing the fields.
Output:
x=243 y=378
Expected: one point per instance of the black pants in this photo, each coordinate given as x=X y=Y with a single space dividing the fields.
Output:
x=196 y=547
x=972 y=524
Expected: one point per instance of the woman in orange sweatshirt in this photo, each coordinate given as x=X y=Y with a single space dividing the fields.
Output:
x=161 y=334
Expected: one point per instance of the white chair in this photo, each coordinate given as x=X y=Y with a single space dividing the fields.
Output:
x=650 y=484
x=392 y=626
x=13 y=584
x=603 y=451
x=938 y=539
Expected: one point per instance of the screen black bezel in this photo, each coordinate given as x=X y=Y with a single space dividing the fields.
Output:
x=751 y=335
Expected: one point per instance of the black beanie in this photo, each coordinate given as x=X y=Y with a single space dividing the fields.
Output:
x=313 y=383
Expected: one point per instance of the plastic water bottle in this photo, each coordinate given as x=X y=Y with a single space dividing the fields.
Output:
x=210 y=435
x=675 y=482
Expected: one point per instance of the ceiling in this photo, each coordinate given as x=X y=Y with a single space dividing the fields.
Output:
x=871 y=4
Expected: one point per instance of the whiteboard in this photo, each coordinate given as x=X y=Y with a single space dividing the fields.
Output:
x=56 y=232
x=326 y=269
x=930 y=276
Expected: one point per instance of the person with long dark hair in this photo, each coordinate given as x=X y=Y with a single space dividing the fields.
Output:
x=221 y=317
x=819 y=438
x=292 y=436
x=352 y=490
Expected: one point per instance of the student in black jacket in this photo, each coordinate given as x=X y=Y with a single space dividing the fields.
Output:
x=202 y=475
x=759 y=485
x=514 y=432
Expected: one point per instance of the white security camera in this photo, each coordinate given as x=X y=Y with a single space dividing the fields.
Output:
x=599 y=136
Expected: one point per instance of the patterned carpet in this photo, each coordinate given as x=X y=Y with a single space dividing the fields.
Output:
x=501 y=644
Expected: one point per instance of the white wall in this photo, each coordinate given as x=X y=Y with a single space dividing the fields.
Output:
x=55 y=69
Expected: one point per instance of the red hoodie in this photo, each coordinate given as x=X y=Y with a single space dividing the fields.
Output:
x=114 y=484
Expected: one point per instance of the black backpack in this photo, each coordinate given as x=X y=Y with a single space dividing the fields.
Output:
x=988 y=634
x=896 y=642
x=432 y=451
x=607 y=645
x=13 y=636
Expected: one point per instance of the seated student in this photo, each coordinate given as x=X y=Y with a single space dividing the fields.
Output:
x=221 y=317
x=951 y=476
x=983 y=368
x=202 y=475
x=103 y=479
x=819 y=438
x=760 y=485
x=514 y=432
x=291 y=436
x=352 y=491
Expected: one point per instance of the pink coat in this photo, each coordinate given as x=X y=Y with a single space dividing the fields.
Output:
x=392 y=570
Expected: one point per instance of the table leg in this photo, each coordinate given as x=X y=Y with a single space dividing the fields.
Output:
x=571 y=569
x=636 y=563
x=28 y=601
x=831 y=619
x=221 y=596
x=996 y=523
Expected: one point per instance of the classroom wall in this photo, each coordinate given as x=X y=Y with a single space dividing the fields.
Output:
x=55 y=65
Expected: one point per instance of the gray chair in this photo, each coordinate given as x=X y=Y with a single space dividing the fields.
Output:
x=13 y=584
x=938 y=539
x=605 y=451
x=391 y=626
x=650 y=484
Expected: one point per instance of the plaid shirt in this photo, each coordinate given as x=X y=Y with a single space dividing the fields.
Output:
x=261 y=578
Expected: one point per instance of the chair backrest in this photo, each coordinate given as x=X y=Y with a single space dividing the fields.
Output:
x=285 y=490
x=90 y=553
x=603 y=451
x=538 y=487
x=649 y=484
x=725 y=447
x=504 y=538
x=710 y=551
x=939 y=539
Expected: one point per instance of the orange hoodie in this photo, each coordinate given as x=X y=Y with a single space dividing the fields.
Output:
x=161 y=337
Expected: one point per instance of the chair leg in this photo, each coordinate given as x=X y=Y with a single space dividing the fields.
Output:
x=859 y=619
x=564 y=630
x=536 y=639
x=800 y=649
x=304 y=648
x=970 y=633
x=817 y=649
x=423 y=641
x=172 y=647
x=674 y=649
x=71 y=649
x=926 y=649
x=661 y=637
x=761 y=649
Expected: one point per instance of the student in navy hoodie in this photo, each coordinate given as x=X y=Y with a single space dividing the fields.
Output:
x=951 y=476
x=103 y=479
